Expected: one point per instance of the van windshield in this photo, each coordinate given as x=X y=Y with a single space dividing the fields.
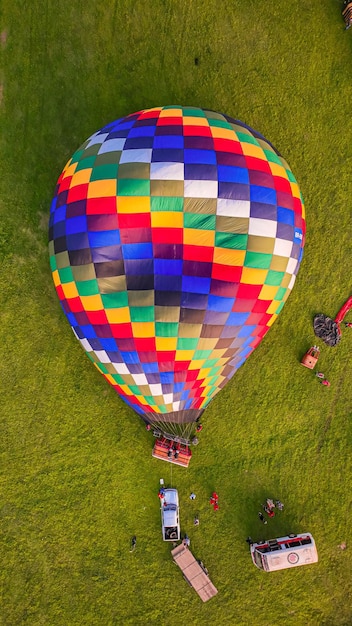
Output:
x=258 y=559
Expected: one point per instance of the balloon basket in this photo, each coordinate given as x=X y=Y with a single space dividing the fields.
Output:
x=311 y=357
x=164 y=450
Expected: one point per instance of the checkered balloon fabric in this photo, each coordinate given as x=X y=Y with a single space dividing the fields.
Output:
x=176 y=235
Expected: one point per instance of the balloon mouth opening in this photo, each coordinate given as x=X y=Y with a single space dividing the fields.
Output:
x=184 y=416
x=162 y=434
x=177 y=426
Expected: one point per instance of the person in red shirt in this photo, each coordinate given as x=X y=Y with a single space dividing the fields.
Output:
x=214 y=498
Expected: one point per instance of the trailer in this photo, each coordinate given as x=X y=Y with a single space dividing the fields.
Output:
x=194 y=572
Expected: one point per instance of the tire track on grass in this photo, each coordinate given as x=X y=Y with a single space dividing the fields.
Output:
x=43 y=92
x=328 y=420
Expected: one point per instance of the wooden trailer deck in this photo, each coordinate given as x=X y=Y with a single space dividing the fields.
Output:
x=194 y=573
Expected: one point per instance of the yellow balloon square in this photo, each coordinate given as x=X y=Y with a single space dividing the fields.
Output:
x=221 y=133
x=70 y=169
x=250 y=149
x=92 y=303
x=277 y=170
x=56 y=278
x=143 y=329
x=272 y=308
x=167 y=219
x=118 y=316
x=195 y=237
x=194 y=121
x=165 y=343
x=295 y=190
x=102 y=189
x=272 y=320
x=268 y=292
x=196 y=365
x=175 y=112
x=70 y=290
x=227 y=256
x=253 y=276
x=184 y=355
x=133 y=204
x=81 y=177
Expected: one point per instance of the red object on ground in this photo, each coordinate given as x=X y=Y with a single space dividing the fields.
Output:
x=215 y=495
x=216 y=506
x=342 y=312
x=325 y=383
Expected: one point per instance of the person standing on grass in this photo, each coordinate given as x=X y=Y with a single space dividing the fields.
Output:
x=269 y=507
x=214 y=498
x=262 y=518
x=133 y=543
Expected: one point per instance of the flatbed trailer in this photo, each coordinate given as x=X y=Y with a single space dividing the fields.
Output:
x=193 y=572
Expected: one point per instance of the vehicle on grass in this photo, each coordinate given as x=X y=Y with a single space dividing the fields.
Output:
x=194 y=572
x=347 y=13
x=284 y=552
x=170 y=519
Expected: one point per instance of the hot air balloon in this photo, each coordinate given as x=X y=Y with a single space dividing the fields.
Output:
x=176 y=235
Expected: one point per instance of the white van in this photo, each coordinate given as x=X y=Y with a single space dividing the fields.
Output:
x=284 y=552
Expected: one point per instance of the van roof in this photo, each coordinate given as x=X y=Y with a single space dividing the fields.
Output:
x=286 y=552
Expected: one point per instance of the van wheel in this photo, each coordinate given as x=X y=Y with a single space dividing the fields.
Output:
x=292 y=535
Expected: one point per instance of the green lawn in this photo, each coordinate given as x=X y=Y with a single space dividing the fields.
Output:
x=77 y=477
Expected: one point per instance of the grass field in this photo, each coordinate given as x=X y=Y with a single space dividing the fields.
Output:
x=77 y=477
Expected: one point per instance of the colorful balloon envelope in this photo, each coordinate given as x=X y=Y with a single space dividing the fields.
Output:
x=176 y=235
